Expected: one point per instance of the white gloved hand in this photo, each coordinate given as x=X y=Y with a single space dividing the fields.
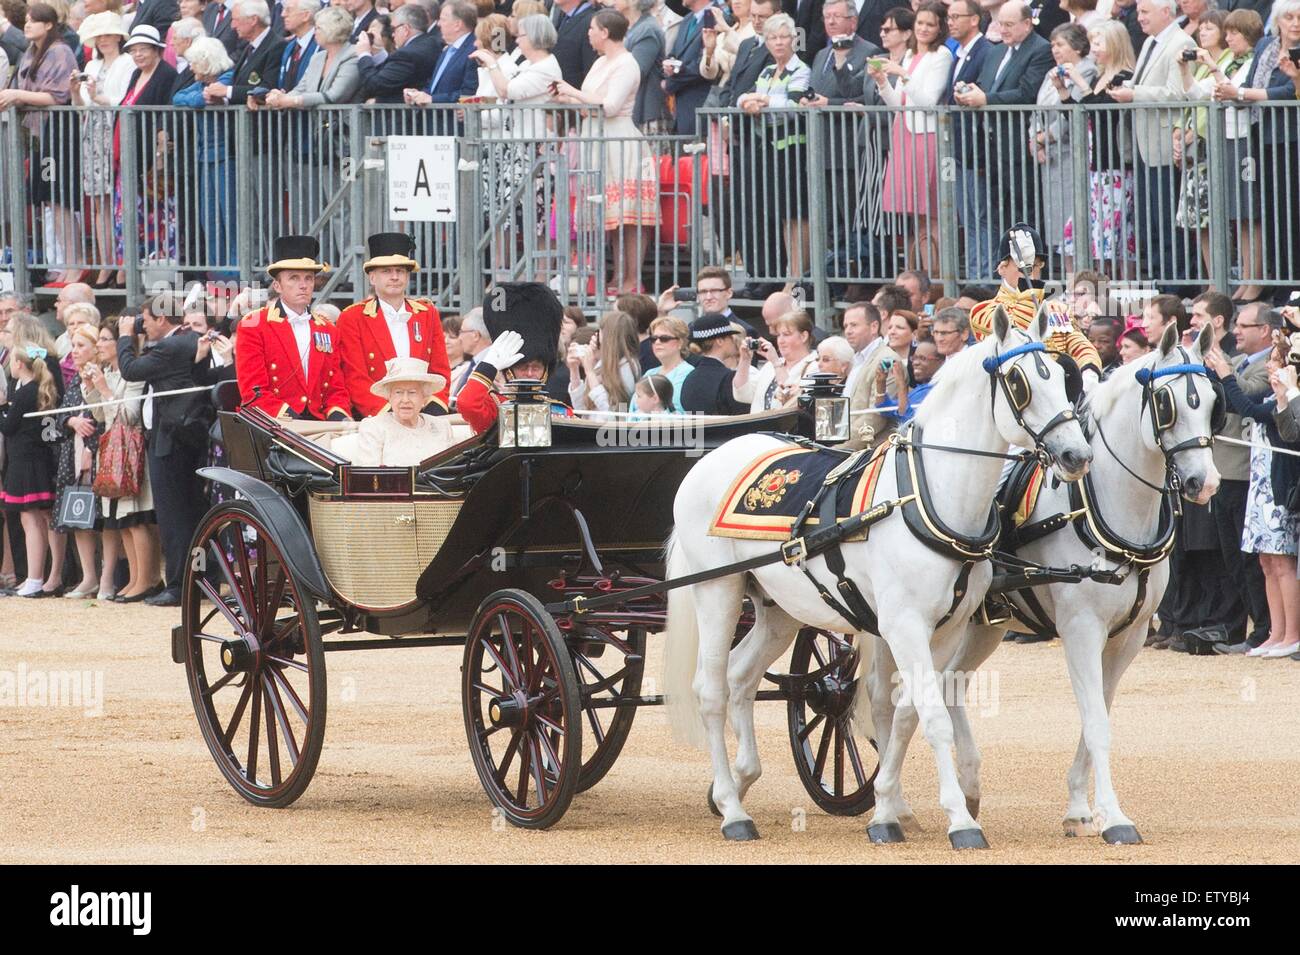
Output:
x=504 y=352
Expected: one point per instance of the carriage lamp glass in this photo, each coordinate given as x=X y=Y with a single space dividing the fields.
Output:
x=525 y=418
x=830 y=409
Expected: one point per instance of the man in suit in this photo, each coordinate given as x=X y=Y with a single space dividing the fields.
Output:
x=258 y=64
x=964 y=22
x=363 y=14
x=408 y=67
x=176 y=429
x=572 y=48
x=454 y=74
x=871 y=17
x=751 y=56
x=390 y=325
x=301 y=45
x=682 y=66
x=1011 y=73
x=807 y=17
x=159 y=14
x=287 y=360
x=1157 y=78
x=219 y=22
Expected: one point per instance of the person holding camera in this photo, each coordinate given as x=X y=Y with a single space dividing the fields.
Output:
x=176 y=427
x=776 y=384
x=708 y=389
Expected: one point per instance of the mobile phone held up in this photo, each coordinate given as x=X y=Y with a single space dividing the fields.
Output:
x=842 y=43
x=708 y=20
x=686 y=294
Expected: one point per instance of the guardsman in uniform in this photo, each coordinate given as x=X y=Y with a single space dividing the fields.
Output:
x=1021 y=258
x=286 y=359
x=524 y=320
x=389 y=325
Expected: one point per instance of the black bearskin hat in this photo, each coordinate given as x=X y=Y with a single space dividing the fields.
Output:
x=532 y=310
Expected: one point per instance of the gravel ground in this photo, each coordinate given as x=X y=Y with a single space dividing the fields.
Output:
x=1206 y=762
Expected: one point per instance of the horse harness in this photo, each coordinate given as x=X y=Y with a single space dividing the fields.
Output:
x=1085 y=515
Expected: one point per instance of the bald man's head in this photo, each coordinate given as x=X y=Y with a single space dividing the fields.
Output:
x=776 y=305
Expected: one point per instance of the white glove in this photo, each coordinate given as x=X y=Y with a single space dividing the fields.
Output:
x=504 y=352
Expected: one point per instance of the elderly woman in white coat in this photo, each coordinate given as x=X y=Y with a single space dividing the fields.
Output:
x=402 y=436
x=1049 y=131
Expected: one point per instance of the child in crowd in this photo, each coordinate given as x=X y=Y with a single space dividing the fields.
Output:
x=29 y=475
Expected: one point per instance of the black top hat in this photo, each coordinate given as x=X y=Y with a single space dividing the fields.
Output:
x=295 y=252
x=391 y=248
x=532 y=310
x=1022 y=231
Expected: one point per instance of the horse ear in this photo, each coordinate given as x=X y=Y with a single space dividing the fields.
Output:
x=1038 y=328
x=1204 y=341
x=1169 y=339
x=1001 y=324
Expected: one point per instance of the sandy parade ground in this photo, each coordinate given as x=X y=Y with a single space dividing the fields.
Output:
x=1206 y=762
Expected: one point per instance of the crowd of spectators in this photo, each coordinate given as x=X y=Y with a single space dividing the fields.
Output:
x=650 y=66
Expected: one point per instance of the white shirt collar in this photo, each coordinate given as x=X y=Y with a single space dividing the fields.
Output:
x=257 y=41
x=1167 y=31
x=393 y=314
x=964 y=51
x=304 y=41
x=293 y=316
x=457 y=43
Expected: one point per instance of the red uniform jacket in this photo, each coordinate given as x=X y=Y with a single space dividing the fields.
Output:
x=477 y=403
x=266 y=358
x=365 y=344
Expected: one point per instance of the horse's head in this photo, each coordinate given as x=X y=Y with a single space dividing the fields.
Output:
x=1030 y=405
x=1181 y=410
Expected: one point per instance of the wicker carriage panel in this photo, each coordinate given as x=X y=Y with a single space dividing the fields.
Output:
x=373 y=552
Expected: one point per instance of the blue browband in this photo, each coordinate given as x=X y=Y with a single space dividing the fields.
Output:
x=1146 y=375
x=994 y=362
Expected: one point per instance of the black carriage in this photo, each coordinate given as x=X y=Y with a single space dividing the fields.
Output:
x=481 y=546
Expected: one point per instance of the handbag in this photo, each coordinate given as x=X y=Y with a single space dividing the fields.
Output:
x=78 y=509
x=119 y=468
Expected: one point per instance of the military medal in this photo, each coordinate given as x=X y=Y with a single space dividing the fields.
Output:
x=416 y=332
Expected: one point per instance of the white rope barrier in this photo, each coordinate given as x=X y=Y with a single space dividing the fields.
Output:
x=117 y=401
x=1255 y=444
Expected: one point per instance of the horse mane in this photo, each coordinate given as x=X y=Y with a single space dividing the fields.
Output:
x=948 y=379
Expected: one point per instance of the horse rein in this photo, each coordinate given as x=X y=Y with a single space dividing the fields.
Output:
x=1016 y=389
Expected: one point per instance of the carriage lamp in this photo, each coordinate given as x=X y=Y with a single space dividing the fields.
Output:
x=829 y=408
x=525 y=417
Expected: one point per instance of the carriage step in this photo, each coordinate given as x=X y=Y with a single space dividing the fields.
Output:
x=178 y=645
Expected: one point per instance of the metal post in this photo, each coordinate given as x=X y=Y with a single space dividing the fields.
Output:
x=130 y=180
x=946 y=165
x=815 y=170
x=1082 y=202
x=245 y=194
x=469 y=218
x=18 y=237
x=1219 y=184
x=699 y=192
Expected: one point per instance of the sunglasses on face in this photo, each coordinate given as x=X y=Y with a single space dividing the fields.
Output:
x=663 y=339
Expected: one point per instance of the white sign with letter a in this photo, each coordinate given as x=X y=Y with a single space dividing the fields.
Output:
x=422 y=178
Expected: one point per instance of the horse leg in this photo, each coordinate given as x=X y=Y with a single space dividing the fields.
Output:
x=891 y=809
x=977 y=646
x=909 y=641
x=772 y=633
x=717 y=607
x=1116 y=827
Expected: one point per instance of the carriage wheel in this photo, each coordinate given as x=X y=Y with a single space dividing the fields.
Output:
x=607 y=670
x=255 y=663
x=827 y=755
x=523 y=713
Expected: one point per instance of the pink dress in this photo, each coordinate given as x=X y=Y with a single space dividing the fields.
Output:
x=614 y=142
x=910 y=183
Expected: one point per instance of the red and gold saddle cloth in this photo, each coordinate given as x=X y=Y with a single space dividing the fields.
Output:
x=770 y=493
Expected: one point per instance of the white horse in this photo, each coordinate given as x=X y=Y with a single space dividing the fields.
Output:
x=1149 y=422
x=1000 y=392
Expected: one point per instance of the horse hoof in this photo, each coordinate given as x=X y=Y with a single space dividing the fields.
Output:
x=884 y=833
x=968 y=839
x=1079 y=827
x=973 y=807
x=1122 y=836
x=742 y=830
x=713 y=806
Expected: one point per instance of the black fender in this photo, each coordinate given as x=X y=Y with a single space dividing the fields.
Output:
x=283 y=522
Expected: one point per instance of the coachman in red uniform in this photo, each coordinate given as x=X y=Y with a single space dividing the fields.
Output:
x=286 y=359
x=389 y=325
x=524 y=320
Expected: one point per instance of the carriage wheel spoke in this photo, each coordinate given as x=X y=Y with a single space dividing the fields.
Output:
x=508 y=647
x=289 y=663
x=274 y=599
x=819 y=767
x=511 y=748
x=228 y=572
x=538 y=767
x=250 y=771
x=525 y=757
x=248 y=587
x=855 y=758
x=292 y=694
x=817 y=652
x=274 y=701
x=219 y=602
x=272 y=744
x=812 y=725
x=211 y=637
x=211 y=690
x=229 y=735
x=506 y=672
x=839 y=758
x=596 y=728
x=551 y=754
x=550 y=724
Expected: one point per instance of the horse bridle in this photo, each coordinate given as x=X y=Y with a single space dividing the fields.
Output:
x=1158 y=401
x=1018 y=392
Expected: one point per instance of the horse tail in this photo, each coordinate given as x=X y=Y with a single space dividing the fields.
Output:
x=863 y=724
x=681 y=653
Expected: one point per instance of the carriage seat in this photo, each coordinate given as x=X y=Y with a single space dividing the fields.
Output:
x=340 y=437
